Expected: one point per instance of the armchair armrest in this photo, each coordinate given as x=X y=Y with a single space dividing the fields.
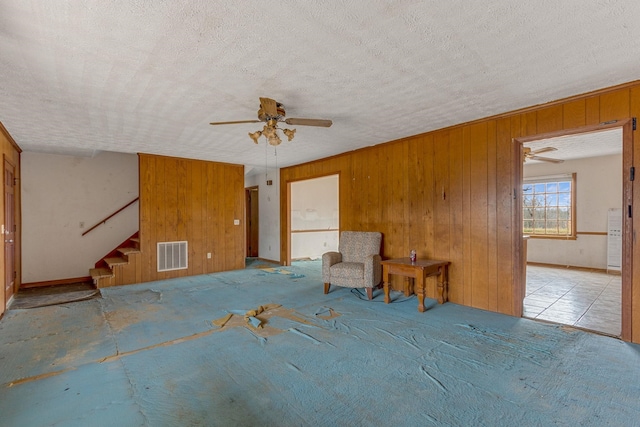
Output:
x=329 y=259
x=372 y=271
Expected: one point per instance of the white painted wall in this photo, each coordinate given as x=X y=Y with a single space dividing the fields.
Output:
x=314 y=206
x=598 y=188
x=59 y=193
x=269 y=213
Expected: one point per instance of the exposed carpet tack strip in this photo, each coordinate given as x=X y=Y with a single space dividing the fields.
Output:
x=162 y=344
x=433 y=379
x=38 y=377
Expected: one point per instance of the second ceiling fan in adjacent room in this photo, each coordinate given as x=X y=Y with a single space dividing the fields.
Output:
x=530 y=154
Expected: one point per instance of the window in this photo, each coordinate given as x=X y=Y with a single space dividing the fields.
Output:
x=548 y=206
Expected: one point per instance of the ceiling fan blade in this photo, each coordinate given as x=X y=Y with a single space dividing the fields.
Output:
x=309 y=122
x=269 y=106
x=234 y=123
x=546 y=159
x=543 y=150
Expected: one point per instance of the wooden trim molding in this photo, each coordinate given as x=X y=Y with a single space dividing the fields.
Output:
x=10 y=138
x=592 y=233
x=317 y=230
x=568 y=267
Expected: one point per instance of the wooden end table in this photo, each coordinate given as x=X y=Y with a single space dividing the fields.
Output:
x=419 y=270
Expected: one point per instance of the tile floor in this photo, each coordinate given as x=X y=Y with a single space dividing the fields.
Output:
x=585 y=299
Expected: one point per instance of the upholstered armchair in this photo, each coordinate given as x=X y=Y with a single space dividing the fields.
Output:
x=356 y=264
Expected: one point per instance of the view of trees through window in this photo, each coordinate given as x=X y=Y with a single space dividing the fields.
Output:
x=547 y=207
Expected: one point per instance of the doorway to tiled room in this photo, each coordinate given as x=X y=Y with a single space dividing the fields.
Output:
x=572 y=192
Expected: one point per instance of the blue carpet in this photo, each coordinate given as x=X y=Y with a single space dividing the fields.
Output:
x=151 y=355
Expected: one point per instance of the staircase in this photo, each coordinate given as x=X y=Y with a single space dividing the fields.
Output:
x=120 y=266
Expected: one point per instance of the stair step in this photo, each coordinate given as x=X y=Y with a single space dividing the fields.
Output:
x=127 y=251
x=100 y=273
x=111 y=262
x=135 y=241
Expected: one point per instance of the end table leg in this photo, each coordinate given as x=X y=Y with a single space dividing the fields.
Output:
x=385 y=281
x=440 y=292
x=419 y=291
x=443 y=283
x=408 y=286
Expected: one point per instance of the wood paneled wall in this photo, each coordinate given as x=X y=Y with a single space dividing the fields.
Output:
x=196 y=201
x=11 y=152
x=449 y=194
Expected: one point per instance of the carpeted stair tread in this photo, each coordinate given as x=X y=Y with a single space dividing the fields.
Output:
x=99 y=273
x=111 y=262
x=127 y=251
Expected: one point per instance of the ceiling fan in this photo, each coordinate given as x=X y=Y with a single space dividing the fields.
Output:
x=533 y=154
x=272 y=113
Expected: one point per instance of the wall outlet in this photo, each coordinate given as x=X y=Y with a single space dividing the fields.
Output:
x=236 y=222
x=208 y=255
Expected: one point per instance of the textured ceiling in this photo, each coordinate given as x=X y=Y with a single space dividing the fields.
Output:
x=580 y=146
x=78 y=77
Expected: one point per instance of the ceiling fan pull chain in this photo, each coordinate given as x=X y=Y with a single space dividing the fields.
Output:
x=266 y=168
x=275 y=153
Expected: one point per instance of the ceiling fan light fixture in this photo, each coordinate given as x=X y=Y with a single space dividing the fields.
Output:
x=289 y=132
x=274 y=140
x=255 y=135
x=270 y=132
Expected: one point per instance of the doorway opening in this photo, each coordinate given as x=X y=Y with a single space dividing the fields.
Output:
x=314 y=217
x=252 y=221
x=577 y=256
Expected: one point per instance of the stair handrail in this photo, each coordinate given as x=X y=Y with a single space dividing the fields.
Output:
x=111 y=216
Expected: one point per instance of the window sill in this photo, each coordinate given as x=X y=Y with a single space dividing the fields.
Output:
x=552 y=237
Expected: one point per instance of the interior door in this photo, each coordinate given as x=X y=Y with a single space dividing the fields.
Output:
x=9 y=230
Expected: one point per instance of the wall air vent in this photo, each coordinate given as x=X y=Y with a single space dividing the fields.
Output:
x=172 y=256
